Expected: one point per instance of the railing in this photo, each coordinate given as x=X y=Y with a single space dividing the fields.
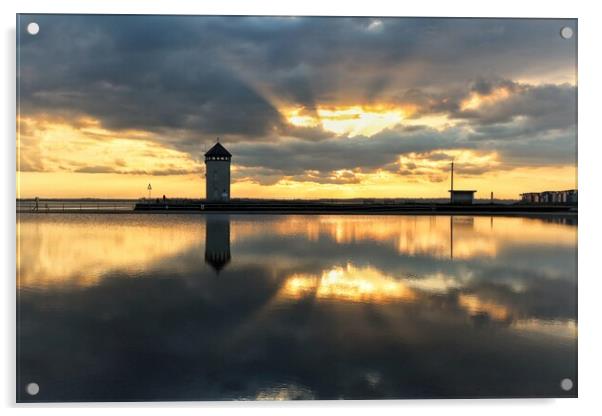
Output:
x=74 y=206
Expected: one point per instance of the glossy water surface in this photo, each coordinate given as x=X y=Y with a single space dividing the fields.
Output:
x=193 y=307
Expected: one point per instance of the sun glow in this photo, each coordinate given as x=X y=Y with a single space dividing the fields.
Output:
x=351 y=121
x=57 y=157
x=84 y=146
x=82 y=158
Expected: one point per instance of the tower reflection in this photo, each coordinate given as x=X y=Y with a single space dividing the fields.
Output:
x=217 y=241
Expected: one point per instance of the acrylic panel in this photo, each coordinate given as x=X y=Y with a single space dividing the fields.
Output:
x=284 y=208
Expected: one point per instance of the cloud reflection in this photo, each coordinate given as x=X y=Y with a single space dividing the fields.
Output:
x=80 y=250
x=300 y=311
x=349 y=283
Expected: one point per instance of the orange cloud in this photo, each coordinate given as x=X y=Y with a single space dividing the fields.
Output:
x=81 y=158
x=476 y=100
x=84 y=146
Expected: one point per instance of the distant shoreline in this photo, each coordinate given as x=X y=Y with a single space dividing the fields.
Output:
x=412 y=213
x=368 y=200
x=311 y=208
x=346 y=207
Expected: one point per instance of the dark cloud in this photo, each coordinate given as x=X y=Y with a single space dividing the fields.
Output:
x=554 y=147
x=96 y=169
x=528 y=110
x=295 y=157
x=133 y=72
x=544 y=107
x=307 y=133
x=154 y=172
x=191 y=78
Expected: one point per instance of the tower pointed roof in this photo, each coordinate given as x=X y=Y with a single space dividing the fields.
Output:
x=218 y=150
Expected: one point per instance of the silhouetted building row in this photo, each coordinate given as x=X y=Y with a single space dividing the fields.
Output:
x=550 y=197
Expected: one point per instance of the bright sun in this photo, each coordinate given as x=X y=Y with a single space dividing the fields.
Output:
x=351 y=121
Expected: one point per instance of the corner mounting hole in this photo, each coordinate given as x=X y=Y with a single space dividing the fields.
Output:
x=566 y=32
x=566 y=384
x=32 y=389
x=33 y=28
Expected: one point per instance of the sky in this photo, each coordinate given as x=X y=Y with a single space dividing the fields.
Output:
x=309 y=107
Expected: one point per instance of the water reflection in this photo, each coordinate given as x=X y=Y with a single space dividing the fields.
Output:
x=79 y=250
x=475 y=306
x=349 y=283
x=126 y=307
x=217 y=241
x=466 y=224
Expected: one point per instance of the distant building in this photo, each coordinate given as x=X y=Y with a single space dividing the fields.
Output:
x=464 y=197
x=550 y=197
x=569 y=196
x=217 y=178
x=530 y=197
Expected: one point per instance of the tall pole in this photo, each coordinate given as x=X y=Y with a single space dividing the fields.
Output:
x=452 y=175
x=451 y=194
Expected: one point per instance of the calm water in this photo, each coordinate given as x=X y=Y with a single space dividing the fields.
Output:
x=192 y=307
